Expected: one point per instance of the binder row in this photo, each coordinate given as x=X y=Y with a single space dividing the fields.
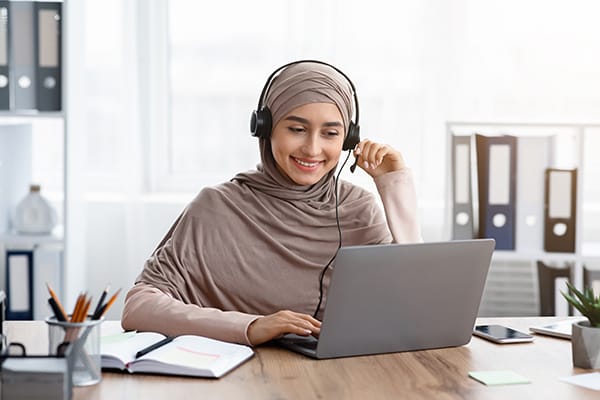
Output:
x=30 y=56
x=504 y=187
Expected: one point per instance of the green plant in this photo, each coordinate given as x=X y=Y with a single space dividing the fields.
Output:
x=587 y=303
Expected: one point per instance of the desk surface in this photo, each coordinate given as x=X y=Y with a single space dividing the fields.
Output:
x=275 y=373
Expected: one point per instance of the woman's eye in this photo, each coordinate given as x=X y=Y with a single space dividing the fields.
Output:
x=296 y=129
x=332 y=133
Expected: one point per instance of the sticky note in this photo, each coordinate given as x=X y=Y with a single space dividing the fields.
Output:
x=493 y=378
x=590 y=381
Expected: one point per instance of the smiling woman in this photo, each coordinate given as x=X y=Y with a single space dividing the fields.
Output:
x=307 y=142
x=247 y=260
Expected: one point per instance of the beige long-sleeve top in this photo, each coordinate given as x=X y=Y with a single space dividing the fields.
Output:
x=150 y=308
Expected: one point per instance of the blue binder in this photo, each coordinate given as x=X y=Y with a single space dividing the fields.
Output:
x=496 y=177
x=19 y=285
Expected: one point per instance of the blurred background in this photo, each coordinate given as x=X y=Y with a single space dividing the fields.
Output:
x=158 y=97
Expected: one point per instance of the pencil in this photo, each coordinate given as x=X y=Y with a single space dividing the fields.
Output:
x=84 y=310
x=57 y=313
x=77 y=309
x=101 y=300
x=58 y=305
x=110 y=303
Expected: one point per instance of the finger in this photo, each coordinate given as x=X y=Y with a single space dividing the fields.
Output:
x=296 y=329
x=380 y=154
x=365 y=154
x=313 y=321
x=370 y=154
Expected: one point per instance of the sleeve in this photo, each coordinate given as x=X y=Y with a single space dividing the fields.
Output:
x=149 y=309
x=397 y=192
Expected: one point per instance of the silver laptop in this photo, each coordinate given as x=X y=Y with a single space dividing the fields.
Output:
x=400 y=297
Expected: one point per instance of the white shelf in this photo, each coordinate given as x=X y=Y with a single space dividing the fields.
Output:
x=16 y=240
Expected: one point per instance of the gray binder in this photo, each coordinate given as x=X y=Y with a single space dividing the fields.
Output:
x=462 y=192
x=22 y=49
x=49 y=51
x=4 y=68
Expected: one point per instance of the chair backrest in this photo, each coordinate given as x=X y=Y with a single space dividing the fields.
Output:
x=547 y=286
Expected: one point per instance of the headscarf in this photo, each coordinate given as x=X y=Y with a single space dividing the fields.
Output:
x=258 y=243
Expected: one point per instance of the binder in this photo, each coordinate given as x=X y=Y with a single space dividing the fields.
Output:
x=19 y=290
x=4 y=57
x=534 y=155
x=49 y=51
x=47 y=268
x=22 y=55
x=560 y=210
x=462 y=215
x=496 y=177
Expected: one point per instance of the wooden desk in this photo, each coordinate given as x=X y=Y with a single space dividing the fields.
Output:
x=275 y=373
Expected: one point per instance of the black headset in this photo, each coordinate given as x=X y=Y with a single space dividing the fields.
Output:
x=261 y=122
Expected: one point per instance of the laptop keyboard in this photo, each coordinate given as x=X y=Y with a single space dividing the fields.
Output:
x=307 y=343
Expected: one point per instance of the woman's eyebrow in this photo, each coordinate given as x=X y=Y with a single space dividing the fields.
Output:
x=305 y=121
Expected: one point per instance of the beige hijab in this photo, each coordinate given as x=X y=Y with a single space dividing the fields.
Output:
x=239 y=245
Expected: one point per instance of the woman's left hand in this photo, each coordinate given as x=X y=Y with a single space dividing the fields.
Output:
x=377 y=159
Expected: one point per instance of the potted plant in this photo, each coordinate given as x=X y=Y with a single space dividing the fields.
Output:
x=585 y=338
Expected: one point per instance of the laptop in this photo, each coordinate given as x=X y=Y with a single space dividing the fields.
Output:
x=400 y=297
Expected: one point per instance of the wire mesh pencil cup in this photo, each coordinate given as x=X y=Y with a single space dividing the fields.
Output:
x=80 y=343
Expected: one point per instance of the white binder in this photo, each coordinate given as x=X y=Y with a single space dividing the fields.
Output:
x=47 y=268
x=534 y=155
x=462 y=192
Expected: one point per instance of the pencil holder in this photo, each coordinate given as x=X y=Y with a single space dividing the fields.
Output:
x=79 y=342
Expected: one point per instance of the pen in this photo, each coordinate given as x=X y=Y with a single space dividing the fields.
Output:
x=105 y=307
x=100 y=301
x=154 y=346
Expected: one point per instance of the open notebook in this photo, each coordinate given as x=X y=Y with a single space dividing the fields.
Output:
x=186 y=355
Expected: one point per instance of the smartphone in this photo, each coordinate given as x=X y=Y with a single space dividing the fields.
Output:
x=501 y=334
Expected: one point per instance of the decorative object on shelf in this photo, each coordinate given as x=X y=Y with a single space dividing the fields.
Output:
x=34 y=214
x=585 y=339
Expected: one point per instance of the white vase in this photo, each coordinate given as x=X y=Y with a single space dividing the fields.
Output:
x=34 y=214
x=585 y=344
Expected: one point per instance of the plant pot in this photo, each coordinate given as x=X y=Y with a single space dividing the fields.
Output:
x=585 y=343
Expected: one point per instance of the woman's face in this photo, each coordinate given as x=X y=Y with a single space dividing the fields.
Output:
x=307 y=142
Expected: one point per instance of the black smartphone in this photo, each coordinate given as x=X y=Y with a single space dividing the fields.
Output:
x=501 y=334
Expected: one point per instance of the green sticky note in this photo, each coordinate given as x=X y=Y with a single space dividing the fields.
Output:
x=493 y=378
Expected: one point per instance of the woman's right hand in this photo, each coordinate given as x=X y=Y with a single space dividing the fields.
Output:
x=280 y=323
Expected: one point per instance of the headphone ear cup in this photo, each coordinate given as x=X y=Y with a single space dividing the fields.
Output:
x=261 y=123
x=353 y=137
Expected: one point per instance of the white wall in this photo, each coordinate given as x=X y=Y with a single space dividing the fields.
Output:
x=479 y=60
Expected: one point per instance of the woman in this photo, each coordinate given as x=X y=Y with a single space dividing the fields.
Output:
x=242 y=262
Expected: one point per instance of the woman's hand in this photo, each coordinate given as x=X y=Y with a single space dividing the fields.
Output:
x=280 y=323
x=377 y=159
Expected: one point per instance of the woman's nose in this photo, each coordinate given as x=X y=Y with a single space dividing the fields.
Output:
x=312 y=146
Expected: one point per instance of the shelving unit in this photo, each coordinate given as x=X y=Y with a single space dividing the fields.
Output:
x=569 y=152
x=16 y=175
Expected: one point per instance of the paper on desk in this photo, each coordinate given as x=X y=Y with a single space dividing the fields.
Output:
x=493 y=378
x=590 y=381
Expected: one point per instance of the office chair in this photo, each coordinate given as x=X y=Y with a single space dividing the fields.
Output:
x=547 y=286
